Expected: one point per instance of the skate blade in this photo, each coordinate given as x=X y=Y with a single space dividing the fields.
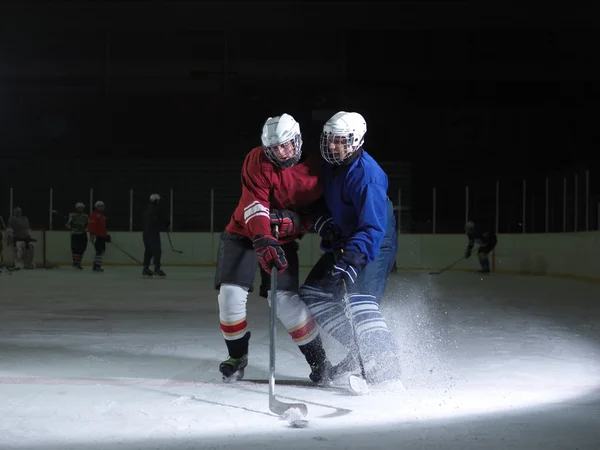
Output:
x=350 y=383
x=236 y=376
x=358 y=385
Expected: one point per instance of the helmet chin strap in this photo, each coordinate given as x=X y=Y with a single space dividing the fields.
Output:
x=350 y=159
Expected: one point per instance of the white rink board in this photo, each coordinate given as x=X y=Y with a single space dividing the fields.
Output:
x=559 y=254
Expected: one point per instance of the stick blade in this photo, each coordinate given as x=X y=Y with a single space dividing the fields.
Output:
x=358 y=385
x=281 y=408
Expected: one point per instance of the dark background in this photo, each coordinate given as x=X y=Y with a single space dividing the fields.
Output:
x=154 y=95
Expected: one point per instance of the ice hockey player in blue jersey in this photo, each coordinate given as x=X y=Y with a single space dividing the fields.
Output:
x=359 y=239
x=485 y=240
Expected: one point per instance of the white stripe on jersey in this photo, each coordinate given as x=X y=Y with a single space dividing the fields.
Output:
x=253 y=210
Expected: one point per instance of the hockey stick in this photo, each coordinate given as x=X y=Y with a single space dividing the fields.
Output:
x=446 y=268
x=126 y=253
x=171 y=244
x=54 y=211
x=356 y=384
x=277 y=406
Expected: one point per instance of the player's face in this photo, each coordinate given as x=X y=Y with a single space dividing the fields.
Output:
x=339 y=147
x=284 y=151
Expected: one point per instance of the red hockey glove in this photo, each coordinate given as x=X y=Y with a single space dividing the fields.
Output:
x=269 y=252
x=289 y=223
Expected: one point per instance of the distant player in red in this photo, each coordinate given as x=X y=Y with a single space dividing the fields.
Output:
x=98 y=235
x=278 y=182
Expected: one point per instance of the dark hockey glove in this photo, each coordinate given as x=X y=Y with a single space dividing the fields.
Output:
x=107 y=238
x=347 y=267
x=289 y=223
x=269 y=252
x=468 y=253
x=326 y=229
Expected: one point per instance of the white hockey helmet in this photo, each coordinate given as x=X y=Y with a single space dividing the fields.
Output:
x=469 y=226
x=155 y=198
x=343 y=134
x=99 y=204
x=282 y=140
x=79 y=205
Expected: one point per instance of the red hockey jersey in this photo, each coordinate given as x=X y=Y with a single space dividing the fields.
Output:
x=97 y=224
x=266 y=187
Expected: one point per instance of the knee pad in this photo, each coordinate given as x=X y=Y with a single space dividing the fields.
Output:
x=232 y=310
x=295 y=316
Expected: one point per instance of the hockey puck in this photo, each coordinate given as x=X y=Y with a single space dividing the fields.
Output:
x=295 y=418
x=302 y=423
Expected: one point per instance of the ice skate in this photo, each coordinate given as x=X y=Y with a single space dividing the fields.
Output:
x=232 y=369
x=321 y=374
x=317 y=360
x=147 y=273
x=347 y=375
x=345 y=368
x=384 y=368
x=97 y=269
x=158 y=273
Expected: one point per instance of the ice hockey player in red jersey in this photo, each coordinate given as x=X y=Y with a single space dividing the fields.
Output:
x=278 y=182
x=98 y=235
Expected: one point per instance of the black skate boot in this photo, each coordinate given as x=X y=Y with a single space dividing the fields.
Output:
x=147 y=273
x=321 y=373
x=97 y=269
x=317 y=360
x=485 y=266
x=159 y=274
x=346 y=367
x=233 y=367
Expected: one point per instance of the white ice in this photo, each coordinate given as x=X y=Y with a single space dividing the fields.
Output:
x=105 y=361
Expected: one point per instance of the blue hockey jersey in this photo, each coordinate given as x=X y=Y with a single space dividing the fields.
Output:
x=356 y=196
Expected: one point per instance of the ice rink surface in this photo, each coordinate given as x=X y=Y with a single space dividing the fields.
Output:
x=113 y=361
